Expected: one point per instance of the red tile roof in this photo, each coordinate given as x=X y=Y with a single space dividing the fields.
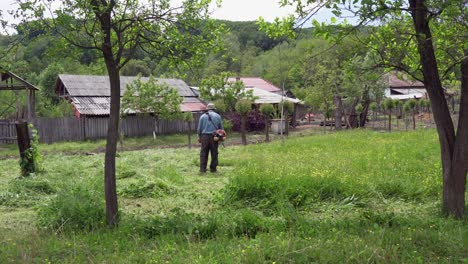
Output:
x=251 y=82
x=192 y=107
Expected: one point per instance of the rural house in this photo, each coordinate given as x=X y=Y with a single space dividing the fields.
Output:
x=266 y=93
x=90 y=95
x=400 y=88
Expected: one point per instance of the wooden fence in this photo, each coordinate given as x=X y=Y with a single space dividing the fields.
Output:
x=52 y=130
x=7 y=132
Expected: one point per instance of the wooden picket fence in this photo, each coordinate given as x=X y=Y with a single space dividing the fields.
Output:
x=52 y=130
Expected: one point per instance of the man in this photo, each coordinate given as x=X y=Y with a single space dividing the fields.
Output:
x=209 y=122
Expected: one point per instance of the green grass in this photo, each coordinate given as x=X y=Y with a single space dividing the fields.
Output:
x=352 y=197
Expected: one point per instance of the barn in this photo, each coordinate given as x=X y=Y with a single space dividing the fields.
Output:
x=90 y=94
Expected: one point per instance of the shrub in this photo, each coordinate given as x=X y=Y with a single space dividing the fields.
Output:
x=79 y=209
x=255 y=121
x=32 y=160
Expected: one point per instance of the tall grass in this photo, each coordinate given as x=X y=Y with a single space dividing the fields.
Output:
x=352 y=197
x=358 y=165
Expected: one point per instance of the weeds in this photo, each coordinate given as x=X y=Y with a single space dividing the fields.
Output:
x=353 y=197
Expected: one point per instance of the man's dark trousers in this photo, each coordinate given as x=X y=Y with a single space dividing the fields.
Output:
x=208 y=145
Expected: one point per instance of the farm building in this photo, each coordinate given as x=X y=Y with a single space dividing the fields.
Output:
x=12 y=82
x=256 y=82
x=90 y=95
x=401 y=88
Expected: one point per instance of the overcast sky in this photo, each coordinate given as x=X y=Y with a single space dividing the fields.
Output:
x=235 y=10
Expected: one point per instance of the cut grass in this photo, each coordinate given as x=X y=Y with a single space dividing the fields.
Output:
x=346 y=197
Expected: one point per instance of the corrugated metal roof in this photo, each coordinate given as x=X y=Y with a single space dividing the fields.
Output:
x=100 y=105
x=92 y=105
x=91 y=85
x=256 y=82
x=265 y=97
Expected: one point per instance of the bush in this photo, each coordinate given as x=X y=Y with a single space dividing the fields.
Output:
x=255 y=121
x=79 y=209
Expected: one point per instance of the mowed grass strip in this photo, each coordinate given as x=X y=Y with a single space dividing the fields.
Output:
x=350 y=197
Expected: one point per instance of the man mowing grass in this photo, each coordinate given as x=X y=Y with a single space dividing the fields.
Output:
x=209 y=123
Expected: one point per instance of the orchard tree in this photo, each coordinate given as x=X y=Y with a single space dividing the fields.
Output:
x=288 y=108
x=117 y=29
x=412 y=103
x=267 y=111
x=152 y=97
x=218 y=87
x=188 y=117
x=243 y=107
x=373 y=107
x=427 y=40
x=389 y=104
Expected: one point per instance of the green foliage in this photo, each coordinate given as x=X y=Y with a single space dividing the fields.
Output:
x=25 y=192
x=32 y=161
x=47 y=80
x=374 y=195
x=146 y=189
x=373 y=106
x=220 y=105
x=227 y=125
x=187 y=117
x=267 y=110
x=388 y=104
x=359 y=108
x=267 y=183
x=135 y=68
x=287 y=106
x=80 y=208
x=218 y=88
x=243 y=106
x=279 y=29
x=412 y=103
x=407 y=107
x=152 y=97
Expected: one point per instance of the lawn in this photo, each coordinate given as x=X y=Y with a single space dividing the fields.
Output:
x=356 y=197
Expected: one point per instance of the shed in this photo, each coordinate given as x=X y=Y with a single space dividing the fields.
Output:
x=402 y=88
x=12 y=82
x=90 y=95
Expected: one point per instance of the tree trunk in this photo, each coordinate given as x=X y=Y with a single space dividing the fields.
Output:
x=110 y=188
x=189 y=123
x=389 y=120
x=414 y=119
x=353 y=116
x=286 y=120
x=243 y=129
x=111 y=148
x=365 y=108
x=267 y=125
x=338 y=111
x=453 y=146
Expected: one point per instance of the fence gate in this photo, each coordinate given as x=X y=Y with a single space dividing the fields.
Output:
x=7 y=132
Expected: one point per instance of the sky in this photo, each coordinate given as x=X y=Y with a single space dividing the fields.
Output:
x=234 y=10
